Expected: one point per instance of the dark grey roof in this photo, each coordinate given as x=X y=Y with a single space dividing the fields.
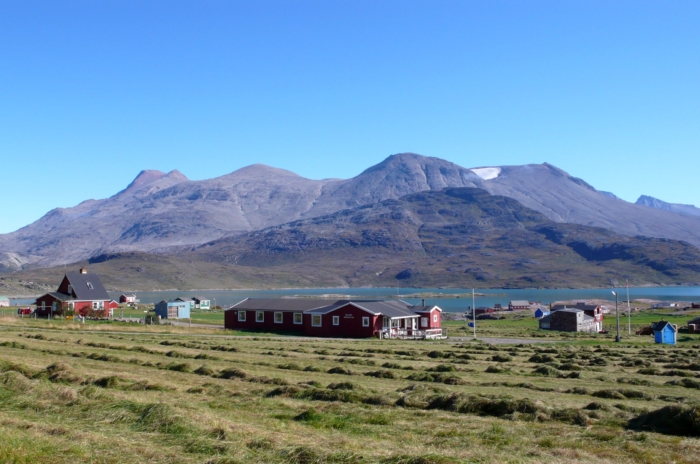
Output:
x=424 y=309
x=388 y=308
x=281 y=304
x=659 y=326
x=61 y=296
x=694 y=321
x=569 y=310
x=87 y=286
x=546 y=318
x=584 y=307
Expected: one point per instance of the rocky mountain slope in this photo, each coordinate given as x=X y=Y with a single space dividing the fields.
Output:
x=163 y=213
x=652 y=202
x=455 y=237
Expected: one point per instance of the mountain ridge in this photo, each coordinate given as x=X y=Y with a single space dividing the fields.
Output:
x=652 y=202
x=161 y=212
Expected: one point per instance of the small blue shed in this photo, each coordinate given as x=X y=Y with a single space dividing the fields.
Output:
x=173 y=309
x=664 y=332
x=540 y=313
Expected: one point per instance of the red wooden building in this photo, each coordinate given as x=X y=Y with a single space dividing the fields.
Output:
x=127 y=298
x=336 y=318
x=79 y=291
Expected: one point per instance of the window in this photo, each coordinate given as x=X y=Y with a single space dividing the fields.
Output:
x=278 y=318
x=298 y=318
x=434 y=317
x=365 y=322
x=336 y=320
x=316 y=320
x=89 y=285
x=424 y=321
x=259 y=316
x=241 y=316
x=94 y=305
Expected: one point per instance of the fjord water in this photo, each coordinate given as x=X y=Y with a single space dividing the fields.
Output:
x=452 y=300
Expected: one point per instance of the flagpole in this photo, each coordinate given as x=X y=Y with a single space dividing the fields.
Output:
x=473 y=314
x=629 y=311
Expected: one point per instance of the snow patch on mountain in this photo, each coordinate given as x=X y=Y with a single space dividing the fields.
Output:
x=487 y=173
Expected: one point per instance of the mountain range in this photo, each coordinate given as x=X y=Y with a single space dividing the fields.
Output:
x=173 y=217
x=456 y=237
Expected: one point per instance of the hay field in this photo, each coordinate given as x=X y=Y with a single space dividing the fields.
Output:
x=171 y=396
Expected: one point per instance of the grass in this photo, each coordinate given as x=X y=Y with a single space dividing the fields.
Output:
x=100 y=393
x=524 y=325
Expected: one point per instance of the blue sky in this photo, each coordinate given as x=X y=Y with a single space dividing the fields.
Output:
x=93 y=92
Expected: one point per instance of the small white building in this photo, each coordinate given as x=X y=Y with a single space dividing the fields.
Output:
x=4 y=301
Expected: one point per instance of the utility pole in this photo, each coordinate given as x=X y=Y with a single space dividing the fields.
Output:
x=629 y=310
x=617 y=317
x=474 y=313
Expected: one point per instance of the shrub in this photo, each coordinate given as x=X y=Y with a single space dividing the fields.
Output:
x=578 y=391
x=111 y=381
x=15 y=382
x=546 y=371
x=642 y=382
x=340 y=370
x=179 y=367
x=540 y=358
x=343 y=386
x=289 y=366
x=570 y=367
x=232 y=373
x=496 y=370
x=381 y=374
x=687 y=383
x=443 y=368
x=389 y=365
x=483 y=406
x=162 y=418
x=673 y=420
x=205 y=370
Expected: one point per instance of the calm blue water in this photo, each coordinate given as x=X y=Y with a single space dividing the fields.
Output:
x=458 y=300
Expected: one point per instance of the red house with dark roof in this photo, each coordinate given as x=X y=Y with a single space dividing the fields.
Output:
x=79 y=291
x=336 y=318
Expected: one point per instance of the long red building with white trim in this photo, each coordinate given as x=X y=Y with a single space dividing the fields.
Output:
x=336 y=318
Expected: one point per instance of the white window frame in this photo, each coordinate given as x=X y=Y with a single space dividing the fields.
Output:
x=434 y=317
x=365 y=322
x=95 y=305
x=89 y=285
x=281 y=317
x=241 y=316
x=336 y=320
x=257 y=316
x=298 y=318
x=314 y=319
